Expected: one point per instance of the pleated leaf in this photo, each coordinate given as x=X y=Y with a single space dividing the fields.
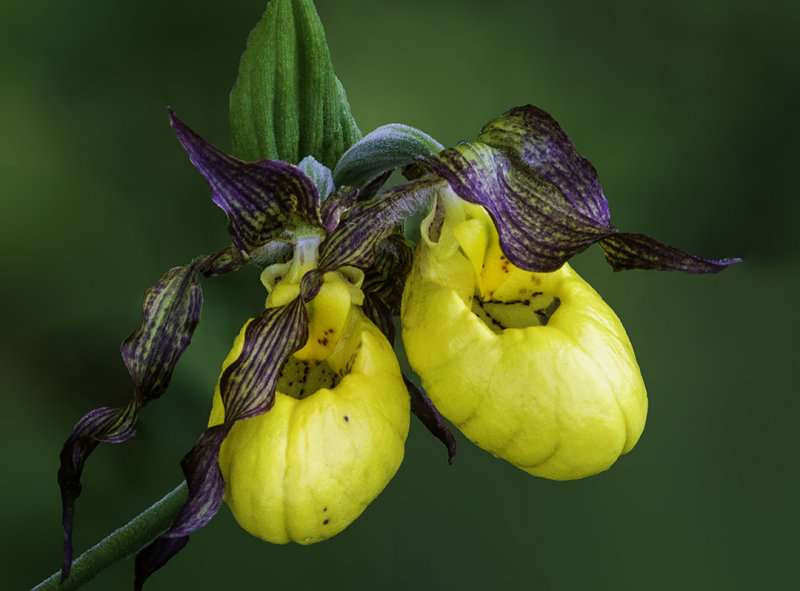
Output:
x=287 y=102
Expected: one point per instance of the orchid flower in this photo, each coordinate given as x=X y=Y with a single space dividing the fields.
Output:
x=310 y=413
x=513 y=347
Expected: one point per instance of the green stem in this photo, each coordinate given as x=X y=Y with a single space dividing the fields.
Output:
x=127 y=540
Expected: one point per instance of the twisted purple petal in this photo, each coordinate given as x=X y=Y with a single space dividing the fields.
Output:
x=248 y=389
x=171 y=311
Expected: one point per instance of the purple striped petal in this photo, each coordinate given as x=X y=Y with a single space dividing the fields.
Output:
x=248 y=388
x=379 y=314
x=384 y=281
x=248 y=384
x=206 y=488
x=154 y=556
x=637 y=251
x=336 y=205
x=170 y=313
x=264 y=200
x=226 y=260
x=84 y=439
x=354 y=240
x=371 y=188
x=545 y=198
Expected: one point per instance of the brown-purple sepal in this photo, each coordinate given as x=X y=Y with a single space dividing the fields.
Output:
x=531 y=135
x=336 y=205
x=539 y=229
x=206 y=488
x=431 y=418
x=378 y=313
x=637 y=251
x=264 y=200
x=545 y=198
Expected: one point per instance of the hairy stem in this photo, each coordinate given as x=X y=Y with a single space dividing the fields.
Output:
x=127 y=540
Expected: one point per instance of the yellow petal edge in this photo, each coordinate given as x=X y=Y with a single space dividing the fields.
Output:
x=307 y=468
x=562 y=400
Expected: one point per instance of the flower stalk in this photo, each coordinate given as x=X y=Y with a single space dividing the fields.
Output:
x=124 y=542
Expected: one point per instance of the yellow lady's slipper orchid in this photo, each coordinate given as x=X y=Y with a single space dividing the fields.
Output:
x=310 y=414
x=304 y=470
x=533 y=367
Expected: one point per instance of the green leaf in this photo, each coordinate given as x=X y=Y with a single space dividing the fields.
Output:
x=287 y=102
x=320 y=174
x=390 y=146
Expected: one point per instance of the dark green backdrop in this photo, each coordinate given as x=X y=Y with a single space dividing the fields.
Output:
x=687 y=109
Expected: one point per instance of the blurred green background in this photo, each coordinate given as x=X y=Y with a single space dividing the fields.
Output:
x=688 y=109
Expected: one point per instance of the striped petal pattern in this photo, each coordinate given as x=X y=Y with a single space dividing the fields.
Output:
x=248 y=389
x=546 y=200
x=264 y=201
x=171 y=311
